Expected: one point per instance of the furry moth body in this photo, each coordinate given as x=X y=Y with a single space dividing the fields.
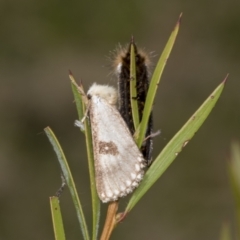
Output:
x=122 y=68
x=118 y=161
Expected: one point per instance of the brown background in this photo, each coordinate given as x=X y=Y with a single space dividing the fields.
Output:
x=41 y=40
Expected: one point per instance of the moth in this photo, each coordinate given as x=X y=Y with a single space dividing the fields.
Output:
x=119 y=164
x=122 y=70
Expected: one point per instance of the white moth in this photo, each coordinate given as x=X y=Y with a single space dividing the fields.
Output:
x=118 y=162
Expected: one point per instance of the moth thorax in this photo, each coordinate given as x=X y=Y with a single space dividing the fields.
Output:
x=105 y=92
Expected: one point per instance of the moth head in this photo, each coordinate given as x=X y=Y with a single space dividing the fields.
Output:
x=105 y=92
x=121 y=58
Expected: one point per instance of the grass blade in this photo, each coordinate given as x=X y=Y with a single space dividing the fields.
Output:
x=175 y=146
x=234 y=172
x=155 y=82
x=133 y=87
x=69 y=180
x=57 y=219
x=225 y=232
x=79 y=98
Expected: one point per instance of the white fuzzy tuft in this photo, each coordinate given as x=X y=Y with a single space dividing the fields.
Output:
x=104 y=91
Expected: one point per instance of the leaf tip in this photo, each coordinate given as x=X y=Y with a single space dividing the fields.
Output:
x=70 y=75
x=225 y=79
x=132 y=39
x=70 y=72
x=180 y=18
x=178 y=22
x=121 y=216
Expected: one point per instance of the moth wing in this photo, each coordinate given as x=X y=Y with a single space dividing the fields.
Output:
x=118 y=161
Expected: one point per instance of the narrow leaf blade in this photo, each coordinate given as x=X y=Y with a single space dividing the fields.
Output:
x=77 y=97
x=155 y=82
x=133 y=89
x=57 y=219
x=81 y=98
x=69 y=180
x=225 y=232
x=234 y=172
x=175 y=146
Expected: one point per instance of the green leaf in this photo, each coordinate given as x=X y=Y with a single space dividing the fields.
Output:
x=57 y=219
x=133 y=88
x=80 y=98
x=225 y=232
x=77 y=97
x=69 y=180
x=175 y=146
x=155 y=82
x=234 y=172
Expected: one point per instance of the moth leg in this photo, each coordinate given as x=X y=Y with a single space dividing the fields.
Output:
x=86 y=113
x=152 y=135
x=80 y=124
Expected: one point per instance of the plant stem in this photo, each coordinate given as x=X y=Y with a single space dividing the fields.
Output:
x=110 y=221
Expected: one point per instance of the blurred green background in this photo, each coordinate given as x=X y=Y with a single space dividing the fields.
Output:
x=41 y=40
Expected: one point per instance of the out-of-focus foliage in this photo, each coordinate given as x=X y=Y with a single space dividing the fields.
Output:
x=234 y=173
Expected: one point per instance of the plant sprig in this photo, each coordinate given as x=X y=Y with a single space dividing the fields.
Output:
x=160 y=164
